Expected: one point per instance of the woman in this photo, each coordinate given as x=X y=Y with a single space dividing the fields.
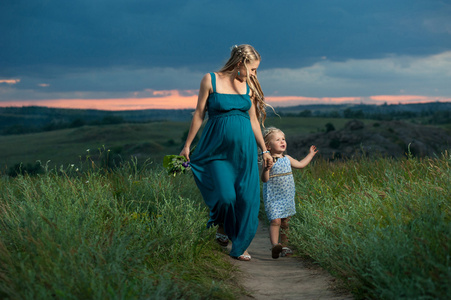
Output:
x=224 y=162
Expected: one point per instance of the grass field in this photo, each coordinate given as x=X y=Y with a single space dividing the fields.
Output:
x=128 y=234
x=383 y=226
x=70 y=146
x=144 y=141
x=79 y=230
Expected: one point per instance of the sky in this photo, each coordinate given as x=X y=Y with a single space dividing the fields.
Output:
x=145 y=54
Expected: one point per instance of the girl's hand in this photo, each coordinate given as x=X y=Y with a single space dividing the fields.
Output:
x=185 y=153
x=267 y=168
x=313 y=149
x=267 y=158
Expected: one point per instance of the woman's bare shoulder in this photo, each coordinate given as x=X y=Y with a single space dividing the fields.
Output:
x=205 y=83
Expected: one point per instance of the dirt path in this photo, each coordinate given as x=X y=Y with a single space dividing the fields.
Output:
x=285 y=277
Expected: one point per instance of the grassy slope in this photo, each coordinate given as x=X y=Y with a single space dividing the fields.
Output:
x=69 y=145
x=382 y=225
x=150 y=140
x=129 y=234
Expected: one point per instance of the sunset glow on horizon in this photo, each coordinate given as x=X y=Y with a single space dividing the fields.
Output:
x=174 y=100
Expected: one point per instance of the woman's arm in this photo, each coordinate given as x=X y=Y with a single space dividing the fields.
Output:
x=199 y=114
x=267 y=158
x=303 y=163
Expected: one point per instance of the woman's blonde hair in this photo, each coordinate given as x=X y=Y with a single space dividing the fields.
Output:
x=245 y=54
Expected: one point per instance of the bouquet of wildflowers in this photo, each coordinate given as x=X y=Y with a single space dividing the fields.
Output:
x=176 y=164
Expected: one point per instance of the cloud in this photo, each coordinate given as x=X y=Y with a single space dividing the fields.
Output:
x=163 y=100
x=9 y=81
x=319 y=50
x=103 y=83
x=392 y=79
x=392 y=75
x=38 y=35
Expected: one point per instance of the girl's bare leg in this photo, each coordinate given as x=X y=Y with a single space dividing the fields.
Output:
x=284 y=232
x=274 y=229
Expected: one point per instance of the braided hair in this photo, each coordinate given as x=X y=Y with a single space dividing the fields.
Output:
x=245 y=54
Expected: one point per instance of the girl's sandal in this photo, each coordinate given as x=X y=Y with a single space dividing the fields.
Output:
x=222 y=239
x=276 y=250
x=286 y=252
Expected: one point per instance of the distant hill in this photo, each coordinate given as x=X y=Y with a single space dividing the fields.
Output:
x=317 y=109
x=386 y=138
x=17 y=120
x=20 y=120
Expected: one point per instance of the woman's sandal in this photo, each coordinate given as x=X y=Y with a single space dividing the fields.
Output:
x=244 y=257
x=286 y=252
x=276 y=250
x=222 y=239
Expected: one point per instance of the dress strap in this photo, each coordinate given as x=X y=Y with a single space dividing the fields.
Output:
x=213 y=81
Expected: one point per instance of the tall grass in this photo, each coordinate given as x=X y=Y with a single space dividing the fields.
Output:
x=124 y=234
x=382 y=225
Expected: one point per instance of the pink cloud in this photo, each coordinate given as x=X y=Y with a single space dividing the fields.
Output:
x=379 y=99
x=296 y=100
x=394 y=99
x=10 y=81
x=174 y=99
x=166 y=102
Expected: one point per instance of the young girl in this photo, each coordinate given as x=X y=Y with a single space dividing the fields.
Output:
x=278 y=189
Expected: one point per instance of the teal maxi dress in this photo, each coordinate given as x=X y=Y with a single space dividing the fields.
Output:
x=225 y=167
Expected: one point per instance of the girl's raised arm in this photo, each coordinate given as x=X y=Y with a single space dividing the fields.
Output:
x=199 y=113
x=303 y=163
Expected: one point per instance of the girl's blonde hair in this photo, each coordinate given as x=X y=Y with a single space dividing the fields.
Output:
x=268 y=132
x=245 y=54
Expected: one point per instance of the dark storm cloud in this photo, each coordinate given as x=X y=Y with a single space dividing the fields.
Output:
x=128 y=45
x=100 y=33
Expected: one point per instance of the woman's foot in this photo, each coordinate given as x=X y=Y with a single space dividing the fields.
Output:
x=276 y=250
x=244 y=257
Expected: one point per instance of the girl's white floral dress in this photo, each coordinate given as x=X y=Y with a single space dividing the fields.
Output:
x=279 y=190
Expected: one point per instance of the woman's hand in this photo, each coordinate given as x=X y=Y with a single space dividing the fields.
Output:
x=185 y=153
x=267 y=158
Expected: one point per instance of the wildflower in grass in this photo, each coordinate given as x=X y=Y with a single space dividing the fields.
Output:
x=176 y=164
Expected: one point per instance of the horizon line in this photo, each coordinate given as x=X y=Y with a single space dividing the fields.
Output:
x=177 y=101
